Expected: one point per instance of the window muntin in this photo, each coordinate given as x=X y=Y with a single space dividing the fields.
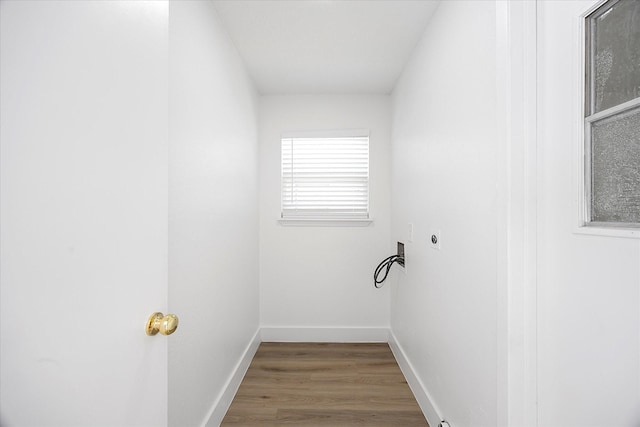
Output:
x=612 y=115
x=325 y=177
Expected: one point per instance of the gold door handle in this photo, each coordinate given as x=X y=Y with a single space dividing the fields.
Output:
x=158 y=322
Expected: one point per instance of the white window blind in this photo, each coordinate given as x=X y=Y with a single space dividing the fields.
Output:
x=325 y=177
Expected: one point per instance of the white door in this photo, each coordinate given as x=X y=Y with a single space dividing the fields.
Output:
x=588 y=280
x=84 y=143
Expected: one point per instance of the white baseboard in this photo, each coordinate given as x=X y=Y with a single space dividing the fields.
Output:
x=417 y=387
x=221 y=405
x=322 y=334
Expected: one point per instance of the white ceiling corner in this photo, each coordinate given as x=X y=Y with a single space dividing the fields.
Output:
x=325 y=46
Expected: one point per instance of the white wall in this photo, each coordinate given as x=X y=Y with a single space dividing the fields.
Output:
x=213 y=210
x=84 y=212
x=588 y=286
x=444 y=148
x=323 y=276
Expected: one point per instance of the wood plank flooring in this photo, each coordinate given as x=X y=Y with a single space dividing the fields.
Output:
x=324 y=384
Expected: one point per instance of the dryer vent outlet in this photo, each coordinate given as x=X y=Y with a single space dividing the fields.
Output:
x=400 y=253
x=443 y=423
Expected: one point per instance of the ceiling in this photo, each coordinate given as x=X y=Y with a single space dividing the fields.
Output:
x=325 y=46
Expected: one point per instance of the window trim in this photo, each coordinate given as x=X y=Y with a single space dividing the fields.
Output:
x=327 y=221
x=318 y=222
x=584 y=224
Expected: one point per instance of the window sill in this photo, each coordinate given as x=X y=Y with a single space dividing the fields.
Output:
x=324 y=222
x=609 y=231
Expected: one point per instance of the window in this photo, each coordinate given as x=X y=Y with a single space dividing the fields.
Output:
x=325 y=176
x=612 y=115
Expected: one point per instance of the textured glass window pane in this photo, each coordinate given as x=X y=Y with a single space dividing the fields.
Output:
x=615 y=44
x=615 y=157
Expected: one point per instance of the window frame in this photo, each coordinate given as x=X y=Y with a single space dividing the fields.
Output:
x=327 y=221
x=585 y=224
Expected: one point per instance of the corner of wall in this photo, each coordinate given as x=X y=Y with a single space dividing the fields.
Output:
x=419 y=390
x=221 y=405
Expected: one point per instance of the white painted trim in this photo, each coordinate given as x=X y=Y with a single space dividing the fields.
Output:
x=528 y=356
x=625 y=106
x=323 y=222
x=222 y=403
x=516 y=65
x=604 y=231
x=324 y=334
x=504 y=123
x=422 y=395
x=582 y=155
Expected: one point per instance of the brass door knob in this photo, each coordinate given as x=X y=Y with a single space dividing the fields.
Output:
x=158 y=322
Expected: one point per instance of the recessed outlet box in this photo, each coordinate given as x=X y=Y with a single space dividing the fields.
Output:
x=435 y=239
x=400 y=252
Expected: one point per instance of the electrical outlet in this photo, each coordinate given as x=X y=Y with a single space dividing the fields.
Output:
x=435 y=239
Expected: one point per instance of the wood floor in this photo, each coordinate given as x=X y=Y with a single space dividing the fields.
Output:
x=324 y=384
